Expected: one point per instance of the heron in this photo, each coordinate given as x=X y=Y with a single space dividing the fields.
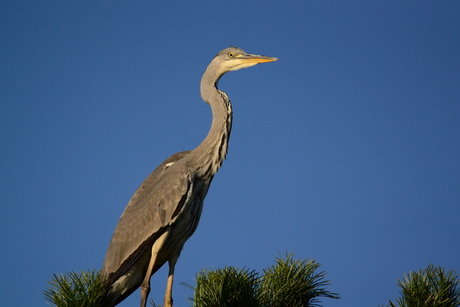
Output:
x=166 y=208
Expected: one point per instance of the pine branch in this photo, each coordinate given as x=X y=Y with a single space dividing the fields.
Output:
x=84 y=289
x=430 y=287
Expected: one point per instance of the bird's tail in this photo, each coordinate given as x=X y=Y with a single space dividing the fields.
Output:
x=108 y=299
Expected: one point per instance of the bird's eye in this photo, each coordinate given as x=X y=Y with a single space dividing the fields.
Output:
x=231 y=54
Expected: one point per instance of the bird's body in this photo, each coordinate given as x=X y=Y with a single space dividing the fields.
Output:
x=166 y=208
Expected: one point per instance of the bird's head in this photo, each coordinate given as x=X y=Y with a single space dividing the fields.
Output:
x=234 y=58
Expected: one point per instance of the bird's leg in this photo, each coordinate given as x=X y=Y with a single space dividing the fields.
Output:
x=145 y=287
x=168 y=296
x=145 y=290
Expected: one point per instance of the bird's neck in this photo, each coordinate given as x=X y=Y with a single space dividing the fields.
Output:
x=210 y=154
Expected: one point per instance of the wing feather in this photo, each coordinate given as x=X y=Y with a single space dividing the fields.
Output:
x=152 y=207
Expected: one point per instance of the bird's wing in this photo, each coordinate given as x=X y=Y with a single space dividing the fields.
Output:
x=155 y=203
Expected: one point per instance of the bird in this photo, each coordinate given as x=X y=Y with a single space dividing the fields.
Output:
x=165 y=209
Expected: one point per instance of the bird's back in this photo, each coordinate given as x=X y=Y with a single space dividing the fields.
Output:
x=149 y=210
x=169 y=200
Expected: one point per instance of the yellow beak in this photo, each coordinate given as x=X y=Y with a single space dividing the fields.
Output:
x=254 y=58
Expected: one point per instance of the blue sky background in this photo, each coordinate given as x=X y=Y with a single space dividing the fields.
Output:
x=346 y=150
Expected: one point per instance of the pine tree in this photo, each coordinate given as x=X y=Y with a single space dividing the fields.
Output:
x=430 y=287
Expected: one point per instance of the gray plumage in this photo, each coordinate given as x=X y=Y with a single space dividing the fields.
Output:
x=166 y=208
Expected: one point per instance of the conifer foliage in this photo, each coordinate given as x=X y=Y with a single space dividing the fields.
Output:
x=430 y=287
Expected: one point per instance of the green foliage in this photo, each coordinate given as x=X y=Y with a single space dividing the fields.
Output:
x=223 y=287
x=293 y=283
x=228 y=287
x=75 y=290
x=430 y=287
x=287 y=283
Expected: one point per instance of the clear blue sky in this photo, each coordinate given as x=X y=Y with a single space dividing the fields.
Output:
x=346 y=150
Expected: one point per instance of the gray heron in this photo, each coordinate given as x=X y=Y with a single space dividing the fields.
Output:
x=166 y=208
